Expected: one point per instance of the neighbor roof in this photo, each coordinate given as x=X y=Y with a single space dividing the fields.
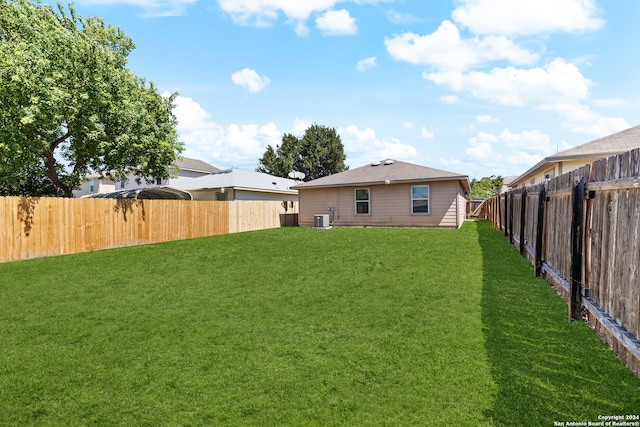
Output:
x=241 y=180
x=195 y=165
x=393 y=171
x=610 y=145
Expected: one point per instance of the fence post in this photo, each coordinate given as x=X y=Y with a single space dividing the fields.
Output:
x=511 y=217
x=575 y=298
x=506 y=217
x=542 y=196
x=523 y=218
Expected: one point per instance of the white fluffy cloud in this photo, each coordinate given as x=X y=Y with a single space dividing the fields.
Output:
x=244 y=11
x=336 y=23
x=581 y=119
x=250 y=80
x=487 y=118
x=357 y=142
x=237 y=145
x=426 y=133
x=531 y=140
x=445 y=49
x=557 y=81
x=367 y=64
x=511 y=17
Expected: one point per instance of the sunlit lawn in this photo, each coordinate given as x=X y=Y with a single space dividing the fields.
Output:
x=297 y=326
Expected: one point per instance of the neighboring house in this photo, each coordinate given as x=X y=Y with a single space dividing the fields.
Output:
x=576 y=157
x=386 y=193
x=237 y=184
x=187 y=169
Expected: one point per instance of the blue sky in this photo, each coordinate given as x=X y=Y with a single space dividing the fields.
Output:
x=478 y=87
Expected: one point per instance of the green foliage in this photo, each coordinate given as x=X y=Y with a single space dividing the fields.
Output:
x=69 y=104
x=486 y=187
x=27 y=182
x=376 y=326
x=318 y=153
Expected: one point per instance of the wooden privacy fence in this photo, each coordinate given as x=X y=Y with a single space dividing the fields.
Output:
x=39 y=227
x=581 y=231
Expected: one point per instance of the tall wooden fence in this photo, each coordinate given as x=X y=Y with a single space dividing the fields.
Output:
x=39 y=227
x=581 y=231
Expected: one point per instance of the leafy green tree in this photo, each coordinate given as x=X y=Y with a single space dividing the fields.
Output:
x=486 y=187
x=70 y=106
x=318 y=153
x=28 y=182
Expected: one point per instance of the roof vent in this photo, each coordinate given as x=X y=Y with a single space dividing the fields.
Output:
x=388 y=162
x=375 y=164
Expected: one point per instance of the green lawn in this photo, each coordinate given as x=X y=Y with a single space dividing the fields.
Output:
x=297 y=326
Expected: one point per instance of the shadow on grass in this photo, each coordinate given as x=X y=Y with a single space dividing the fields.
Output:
x=547 y=370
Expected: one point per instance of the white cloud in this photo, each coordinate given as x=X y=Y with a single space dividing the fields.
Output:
x=250 y=80
x=336 y=23
x=150 y=7
x=446 y=50
x=363 y=146
x=532 y=140
x=401 y=18
x=264 y=12
x=581 y=119
x=487 y=118
x=407 y=125
x=299 y=126
x=237 y=145
x=481 y=149
x=449 y=99
x=555 y=82
x=366 y=64
x=426 y=133
x=511 y=17
x=520 y=161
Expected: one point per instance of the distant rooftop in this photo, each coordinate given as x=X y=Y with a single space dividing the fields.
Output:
x=195 y=165
x=393 y=171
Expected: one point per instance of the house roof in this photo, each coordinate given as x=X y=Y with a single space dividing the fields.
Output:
x=383 y=172
x=606 y=146
x=240 y=180
x=195 y=165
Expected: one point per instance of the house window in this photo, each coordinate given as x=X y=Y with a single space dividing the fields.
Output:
x=159 y=181
x=420 y=199
x=362 y=201
x=550 y=174
x=123 y=184
x=92 y=185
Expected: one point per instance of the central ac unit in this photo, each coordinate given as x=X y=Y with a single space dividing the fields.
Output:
x=321 y=221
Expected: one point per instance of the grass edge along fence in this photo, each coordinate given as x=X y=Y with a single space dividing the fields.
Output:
x=581 y=232
x=48 y=226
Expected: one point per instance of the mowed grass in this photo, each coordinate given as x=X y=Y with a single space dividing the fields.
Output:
x=298 y=326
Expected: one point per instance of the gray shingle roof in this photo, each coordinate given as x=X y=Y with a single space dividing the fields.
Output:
x=610 y=145
x=618 y=142
x=195 y=165
x=393 y=171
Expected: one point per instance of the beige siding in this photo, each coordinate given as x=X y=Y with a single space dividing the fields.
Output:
x=390 y=205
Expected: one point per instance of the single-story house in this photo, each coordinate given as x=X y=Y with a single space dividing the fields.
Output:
x=576 y=157
x=188 y=169
x=237 y=184
x=386 y=193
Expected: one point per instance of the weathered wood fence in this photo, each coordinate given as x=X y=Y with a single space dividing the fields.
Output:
x=581 y=231
x=39 y=227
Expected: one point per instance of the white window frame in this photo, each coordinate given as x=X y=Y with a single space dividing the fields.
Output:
x=367 y=201
x=428 y=198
